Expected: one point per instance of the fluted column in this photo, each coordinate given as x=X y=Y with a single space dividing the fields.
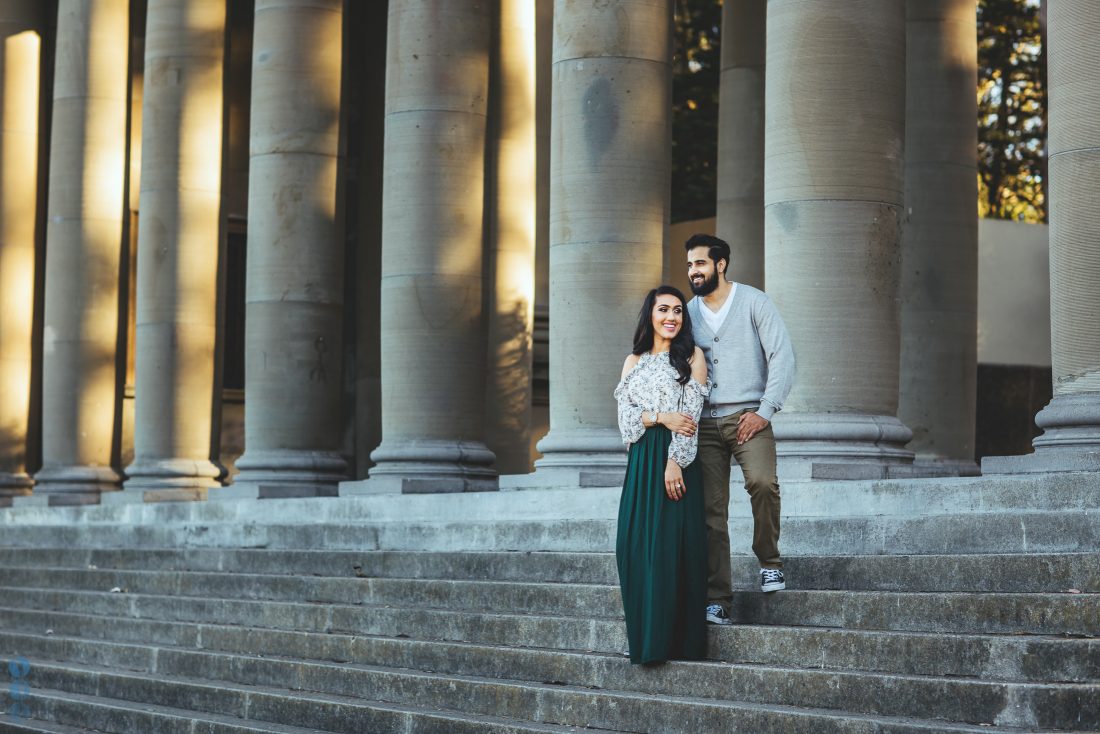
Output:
x=177 y=257
x=512 y=234
x=433 y=334
x=1071 y=421
x=21 y=23
x=834 y=166
x=295 y=280
x=609 y=179
x=741 y=138
x=83 y=243
x=939 y=286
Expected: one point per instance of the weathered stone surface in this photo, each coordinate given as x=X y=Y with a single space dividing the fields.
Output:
x=898 y=637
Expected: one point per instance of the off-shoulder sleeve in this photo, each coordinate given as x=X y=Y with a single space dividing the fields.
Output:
x=682 y=449
x=630 y=415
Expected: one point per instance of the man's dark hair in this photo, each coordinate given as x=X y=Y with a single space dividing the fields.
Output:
x=717 y=249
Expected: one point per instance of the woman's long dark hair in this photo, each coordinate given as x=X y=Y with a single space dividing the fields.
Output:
x=683 y=345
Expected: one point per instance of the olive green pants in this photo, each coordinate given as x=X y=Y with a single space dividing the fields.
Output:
x=717 y=445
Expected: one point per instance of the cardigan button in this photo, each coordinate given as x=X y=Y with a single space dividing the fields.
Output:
x=715 y=338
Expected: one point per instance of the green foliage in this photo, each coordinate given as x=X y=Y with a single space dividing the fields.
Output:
x=695 y=68
x=1011 y=110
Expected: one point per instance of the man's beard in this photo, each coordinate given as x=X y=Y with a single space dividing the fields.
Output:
x=707 y=286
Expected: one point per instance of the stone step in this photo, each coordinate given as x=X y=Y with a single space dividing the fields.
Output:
x=838 y=680
x=994 y=572
x=336 y=709
x=1051 y=614
x=510 y=596
x=278 y=597
x=1005 y=657
x=16 y=725
x=259 y=710
x=1025 y=531
x=1067 y=492
x=61 y=712
x=948 y=612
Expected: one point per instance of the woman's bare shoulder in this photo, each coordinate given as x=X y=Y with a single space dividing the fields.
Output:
x=630 y=363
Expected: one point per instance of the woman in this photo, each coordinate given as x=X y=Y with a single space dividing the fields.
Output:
x=661 y=545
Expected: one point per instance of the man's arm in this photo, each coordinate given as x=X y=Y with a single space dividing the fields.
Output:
x=779 y=354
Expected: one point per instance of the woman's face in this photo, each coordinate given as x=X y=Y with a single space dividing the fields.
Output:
x=668 y=316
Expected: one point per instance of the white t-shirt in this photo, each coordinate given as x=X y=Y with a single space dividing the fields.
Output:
x=715 y=319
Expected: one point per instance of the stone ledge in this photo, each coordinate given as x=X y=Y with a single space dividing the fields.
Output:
x=901 y=498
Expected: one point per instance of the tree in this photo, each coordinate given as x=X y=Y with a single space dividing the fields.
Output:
x=1011 y=110
x=696 y=64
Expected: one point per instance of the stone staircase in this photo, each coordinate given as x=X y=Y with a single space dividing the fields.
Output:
x=134 y=626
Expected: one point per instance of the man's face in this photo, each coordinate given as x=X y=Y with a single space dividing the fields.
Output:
x=702 y=271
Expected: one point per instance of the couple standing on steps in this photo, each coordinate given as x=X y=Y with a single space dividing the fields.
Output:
x=700 y=386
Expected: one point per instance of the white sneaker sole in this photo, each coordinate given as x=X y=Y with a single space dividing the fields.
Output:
x=775 y=586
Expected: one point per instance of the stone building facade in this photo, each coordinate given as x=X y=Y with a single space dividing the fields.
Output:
x=356 y=219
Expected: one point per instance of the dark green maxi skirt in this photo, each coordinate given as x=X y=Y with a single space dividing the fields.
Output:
x=661 y=553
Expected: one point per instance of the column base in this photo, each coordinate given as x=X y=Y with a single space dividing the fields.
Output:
x=564 y=478
x=167 y=480
x=72 y=485
x=833 y=446
x=427 y=466
x=946 y=467
x=14 y=484
x=1070 y=439
x=582 y=449
x=574 y=458
x=286 y=473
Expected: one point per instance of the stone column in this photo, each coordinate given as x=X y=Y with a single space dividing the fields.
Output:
x=609 y=206
x=540 y=337
x=512 y=238
x=1071 y=421
x=834 y=162
x=433 y=326
x=177 y=259
x=83 y=245
x=21 y=24
x=939 y=285
x=295 y=280
x=740 y=220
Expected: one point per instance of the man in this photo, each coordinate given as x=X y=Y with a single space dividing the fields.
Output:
x=750 y=364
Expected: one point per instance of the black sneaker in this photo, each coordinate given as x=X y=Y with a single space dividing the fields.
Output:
x=717 y=615
x=771 y=579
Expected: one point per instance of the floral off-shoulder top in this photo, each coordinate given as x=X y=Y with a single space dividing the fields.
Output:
x=651 y=387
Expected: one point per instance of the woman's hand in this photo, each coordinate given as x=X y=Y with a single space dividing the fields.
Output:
x=681 y=423
x=674 y=480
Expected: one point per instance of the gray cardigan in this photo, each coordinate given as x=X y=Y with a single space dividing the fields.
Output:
x=750 y=360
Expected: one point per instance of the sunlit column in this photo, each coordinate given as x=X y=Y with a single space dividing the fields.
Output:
x=834 y=175
x=433 y=334
x=512 y=233
x=939 y=292
x=741 y=139
x=83 y=244
x=1071 y=421
x=609 y=204
x=295 y=278
x=20 y=25
x=177 y=256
